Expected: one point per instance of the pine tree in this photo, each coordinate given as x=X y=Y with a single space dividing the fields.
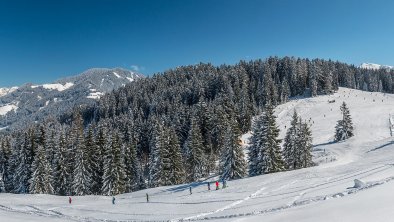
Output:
x=177 y=173
x=40 y=182
x=233 y=164
x=254 y=148
x=132 y=166
x=23 y=170
x=62 y=185
x=269 y=159
x=305 y=136
x=195 y=154
x=82 y=181
x=93 y=158
x=114 y=178
x=155 y=158
x=291 y=152
x=344 y=127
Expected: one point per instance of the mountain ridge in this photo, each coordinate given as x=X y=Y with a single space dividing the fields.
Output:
x=30 y=102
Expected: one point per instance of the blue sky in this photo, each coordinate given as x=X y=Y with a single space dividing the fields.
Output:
x=41 y=41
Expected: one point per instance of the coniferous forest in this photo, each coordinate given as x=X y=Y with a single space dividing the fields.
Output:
x=174 y=127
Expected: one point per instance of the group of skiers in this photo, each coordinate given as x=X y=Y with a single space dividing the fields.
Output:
x=209 y=186
x=190 y=190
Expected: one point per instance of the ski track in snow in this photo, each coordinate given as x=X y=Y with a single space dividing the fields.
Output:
x=225 y=207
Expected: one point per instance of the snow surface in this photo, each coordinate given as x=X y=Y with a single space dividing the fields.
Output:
x=5 y=91
x=56 y=86
x=323 y=193
x=375 y=66
x=95 y=95
x=117 y=75
x=7 y=108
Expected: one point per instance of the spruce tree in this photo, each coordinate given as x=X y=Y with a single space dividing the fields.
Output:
x=195 y=153
x=255 y=146
x=233 y=164
x=62 y=184
x=23 y=170
x=270 y=158
x=40 y=182
x=305 y=137
x=291 y=152
x=177 y=172
x=131 y=166
x=114 y=178
x=82 y=181
x=344 y=127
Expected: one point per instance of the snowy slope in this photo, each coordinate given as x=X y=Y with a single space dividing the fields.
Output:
x=5 y=91
x=321 y=193
x=375 y=66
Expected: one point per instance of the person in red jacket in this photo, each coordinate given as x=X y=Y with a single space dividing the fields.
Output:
x=217 y=185
x=69 y=200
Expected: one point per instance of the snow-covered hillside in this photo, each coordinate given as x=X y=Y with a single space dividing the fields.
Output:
x=321 y=193
x=5 y=91
x=375 y=66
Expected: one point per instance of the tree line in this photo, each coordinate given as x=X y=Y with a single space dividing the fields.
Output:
x=174 y=127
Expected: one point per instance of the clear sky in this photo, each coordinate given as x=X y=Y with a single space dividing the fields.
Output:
x=41 y=41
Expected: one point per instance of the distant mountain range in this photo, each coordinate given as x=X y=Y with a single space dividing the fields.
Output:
x=376 y=66
x=29 y=102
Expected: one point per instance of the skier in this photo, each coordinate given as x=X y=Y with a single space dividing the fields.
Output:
x=224 y=184
x=147 y=198
x=217 y=185
x=113 y=200
x=190 y=190
x=209 y=186
x=69 y=200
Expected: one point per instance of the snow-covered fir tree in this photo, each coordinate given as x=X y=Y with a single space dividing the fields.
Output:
x=155 y=158
x=233 y=164
x=114 y=178
x=344 y=127
x=82 y=176
x=132 y=166
x=41 y=180
x=291 y=152
x=255 y=146
x=23 y=169
x=62 y=170
x=269 y=159
x=195 y=152
x=304 y=143
x=177 y=172
x=297 y=147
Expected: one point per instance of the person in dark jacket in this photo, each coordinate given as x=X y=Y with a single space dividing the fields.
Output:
x=209 y=186
x=113 y=200
x=190 y=190
x=69 y=200
x=147 y=198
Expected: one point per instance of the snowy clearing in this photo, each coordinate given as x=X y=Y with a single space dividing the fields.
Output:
x=323 y=193
x=7 y=108
x=57 y=86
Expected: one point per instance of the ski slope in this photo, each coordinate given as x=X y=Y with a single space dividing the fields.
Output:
x=321 y=193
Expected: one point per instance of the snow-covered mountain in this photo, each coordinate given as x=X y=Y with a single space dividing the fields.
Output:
x=31 y=102
x=375 y=66
x=5 y=91
x=323 y=193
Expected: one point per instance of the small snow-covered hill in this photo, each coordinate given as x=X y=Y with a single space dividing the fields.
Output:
x=321 y=193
